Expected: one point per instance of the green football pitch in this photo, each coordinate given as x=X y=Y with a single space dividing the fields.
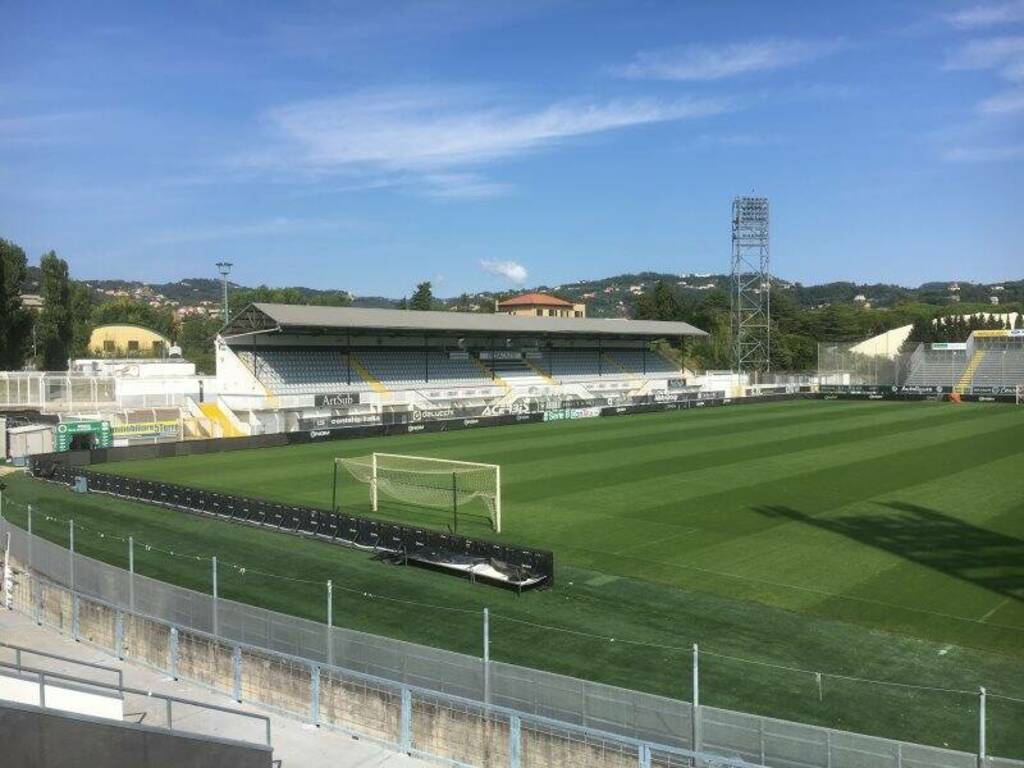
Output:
x=877 y=541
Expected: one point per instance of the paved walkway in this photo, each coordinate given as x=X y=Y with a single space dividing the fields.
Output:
x=296 y=744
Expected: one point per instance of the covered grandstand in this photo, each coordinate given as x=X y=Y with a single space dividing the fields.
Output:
x=285 y=368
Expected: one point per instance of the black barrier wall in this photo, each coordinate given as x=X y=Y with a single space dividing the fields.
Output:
x=218 y=445
x=520 y=564
x=348 y=432
x=877 y=392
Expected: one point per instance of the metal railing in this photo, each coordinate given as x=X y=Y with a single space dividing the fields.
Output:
x=43 y=676
x=20 y=651
x=401 y=694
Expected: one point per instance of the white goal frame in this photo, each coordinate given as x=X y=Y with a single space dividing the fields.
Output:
x=434 y=460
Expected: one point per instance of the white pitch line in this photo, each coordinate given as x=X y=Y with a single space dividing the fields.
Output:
x=992 y=612
x=650 y=542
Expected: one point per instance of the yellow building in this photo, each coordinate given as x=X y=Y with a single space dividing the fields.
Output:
x=124 y=340
x=540 y=305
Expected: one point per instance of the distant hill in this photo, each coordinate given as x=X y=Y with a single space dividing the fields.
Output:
x=613 y=296
x=605 y=297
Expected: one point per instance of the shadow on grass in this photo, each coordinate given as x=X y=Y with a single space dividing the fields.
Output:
x=988 y=559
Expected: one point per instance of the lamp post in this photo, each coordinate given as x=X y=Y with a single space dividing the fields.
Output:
x=224 y=267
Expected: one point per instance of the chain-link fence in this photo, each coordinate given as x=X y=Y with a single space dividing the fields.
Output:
x=989 y=362
x=877 y=362
x=426 y=701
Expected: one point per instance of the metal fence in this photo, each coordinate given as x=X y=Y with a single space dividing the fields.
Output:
x=877 y=363
x=53 y=392
x=984 y=364
x=451 y=707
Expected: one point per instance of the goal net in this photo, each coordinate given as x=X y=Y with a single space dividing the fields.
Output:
x=461 y=487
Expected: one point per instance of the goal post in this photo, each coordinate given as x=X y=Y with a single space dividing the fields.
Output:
x=445 y=484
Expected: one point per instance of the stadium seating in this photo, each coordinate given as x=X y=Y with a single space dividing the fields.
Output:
x=404 y=368
x=1000 y=368
x=306 y=369
x=299 y=370
x=636 y=362
x=937 y=368
x=587 y=364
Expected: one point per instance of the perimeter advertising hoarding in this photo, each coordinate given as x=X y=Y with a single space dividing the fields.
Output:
x=336 y=400
x=162 y=428
x=1016 y=333
x=457 y=411
x=994 y=390
x=339 y=422
x=453 y=412
x=571 y=414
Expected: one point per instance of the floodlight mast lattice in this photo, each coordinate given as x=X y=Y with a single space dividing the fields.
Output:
x=224 y=267
x=750 y=290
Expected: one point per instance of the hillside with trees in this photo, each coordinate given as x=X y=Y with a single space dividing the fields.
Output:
x=802 y=315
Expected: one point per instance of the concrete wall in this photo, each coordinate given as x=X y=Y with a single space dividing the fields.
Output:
x=34 y=737
x=468 y=733
x=360 y=707
x=147 y=642
x=276 y=681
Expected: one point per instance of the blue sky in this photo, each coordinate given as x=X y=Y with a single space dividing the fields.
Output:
x=483 y=145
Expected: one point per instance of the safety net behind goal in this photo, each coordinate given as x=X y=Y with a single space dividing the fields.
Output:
x=462 y=488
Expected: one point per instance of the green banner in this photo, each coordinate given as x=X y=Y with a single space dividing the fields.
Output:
x=100 y=430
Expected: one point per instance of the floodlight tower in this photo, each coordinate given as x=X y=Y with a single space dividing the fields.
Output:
x=750 y=290
x=224 y=267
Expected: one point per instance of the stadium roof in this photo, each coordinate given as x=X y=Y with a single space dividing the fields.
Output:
x=257 y=318
x=532 y=299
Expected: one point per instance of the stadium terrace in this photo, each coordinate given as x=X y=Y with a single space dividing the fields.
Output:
x=283 y=367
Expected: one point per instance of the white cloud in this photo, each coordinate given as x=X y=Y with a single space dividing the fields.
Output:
x=705 y=62
x=985 y=154
x=1003 y=103
x=461 y=186
x=987 y=15
x=510 y=270
x=1004 y=53
x=430 y=131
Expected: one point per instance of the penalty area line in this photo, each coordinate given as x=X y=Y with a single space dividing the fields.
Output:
x=995 y=609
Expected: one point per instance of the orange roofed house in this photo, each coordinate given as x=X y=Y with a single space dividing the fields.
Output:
x=540 y=305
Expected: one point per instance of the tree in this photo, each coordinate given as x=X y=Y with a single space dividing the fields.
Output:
x=242 y=297
x=1019 y=322
x=134 y=312
x=195 y=337
x=665 y=302
x=713 y=351
x=15 y=319
x=423 y=298
x=55 y=327
x=81 y=317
